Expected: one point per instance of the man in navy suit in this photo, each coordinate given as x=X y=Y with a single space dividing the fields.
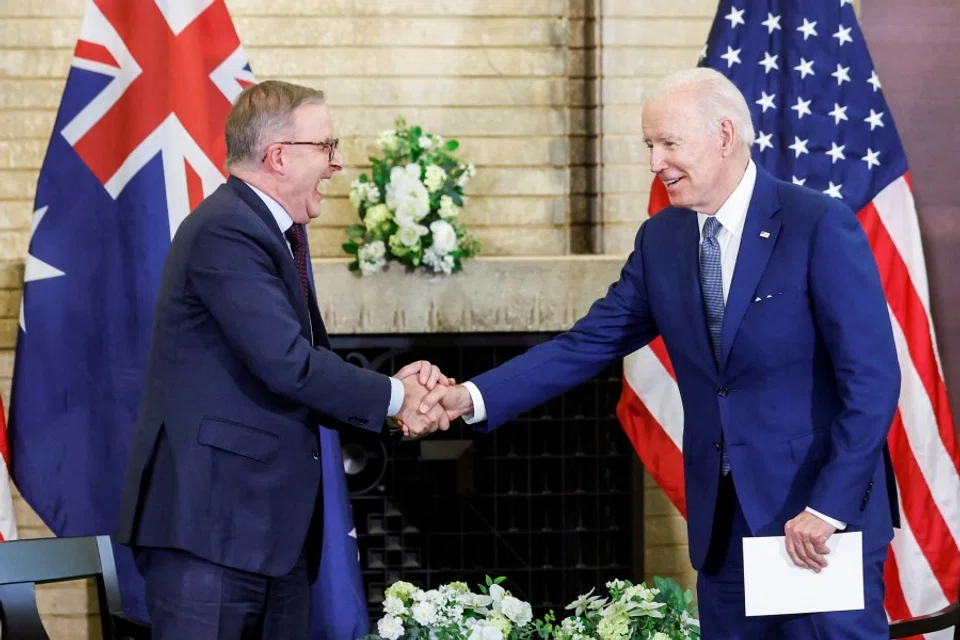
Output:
x=769 y=302
x=222 y=504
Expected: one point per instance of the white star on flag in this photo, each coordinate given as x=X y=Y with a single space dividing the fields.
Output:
x=872 y=158
x=35 y=268
x=834 y=190
x=769 y=62
x=843 y=35
x=875 y=119
x=772 y=23
x=799 y=146
x=799 y=181
x=766 y=101
x=732 y=56
x=802 y=108
x=763 y=140
x=808 y=28
x=839 y=113
x=836 y=152
x=842 y=74
x=735 y=17
x=874 y=80
x=805 y=68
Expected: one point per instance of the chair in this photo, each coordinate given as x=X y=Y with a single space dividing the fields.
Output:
x=27 y=563
x=947 y=617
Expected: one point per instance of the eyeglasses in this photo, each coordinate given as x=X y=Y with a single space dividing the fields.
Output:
x=329 y=145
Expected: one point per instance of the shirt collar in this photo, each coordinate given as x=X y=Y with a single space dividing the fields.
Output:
x=733 y=213
x=284 y=221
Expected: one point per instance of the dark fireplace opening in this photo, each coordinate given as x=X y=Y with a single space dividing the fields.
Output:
x=552 y=500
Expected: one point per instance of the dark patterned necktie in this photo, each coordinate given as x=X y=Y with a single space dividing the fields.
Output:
x=711 y=286
x=297 y=237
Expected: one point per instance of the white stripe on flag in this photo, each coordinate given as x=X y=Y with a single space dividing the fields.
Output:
x=919 y=423
x=657 y=390
x=920 y=586
x=8 y=525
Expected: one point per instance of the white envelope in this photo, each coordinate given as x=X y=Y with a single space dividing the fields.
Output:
x=773 y=585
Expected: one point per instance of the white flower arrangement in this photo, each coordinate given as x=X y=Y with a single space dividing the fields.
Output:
x=409 y=207
x=453 y=612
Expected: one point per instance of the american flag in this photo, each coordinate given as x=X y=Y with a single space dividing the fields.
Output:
x=822 y=122
x=8 y=523
x=137 y=143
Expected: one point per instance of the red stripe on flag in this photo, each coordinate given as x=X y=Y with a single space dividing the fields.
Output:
x=4 y=443
x=95 y=53
x=894 y=601
x=929 y=528
x=662 y=459
x=194 y=186
x=660 y=350
x=910 y=313
x=659 y=200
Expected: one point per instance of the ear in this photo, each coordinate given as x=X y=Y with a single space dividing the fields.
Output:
x=275 y=160
x=728 y=137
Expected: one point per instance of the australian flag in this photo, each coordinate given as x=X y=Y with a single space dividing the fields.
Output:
x=137 y=144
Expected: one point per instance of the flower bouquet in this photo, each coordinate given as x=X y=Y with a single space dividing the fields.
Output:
x=410 y=204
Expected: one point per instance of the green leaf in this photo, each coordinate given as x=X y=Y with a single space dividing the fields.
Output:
x=350 y=247
x=362 y=178
x=415 y=133
x=356 y=231
x=354 y=266
x=451 y=145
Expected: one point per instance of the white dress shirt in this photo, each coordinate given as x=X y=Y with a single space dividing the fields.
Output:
x=731 y=216
x=284 y=221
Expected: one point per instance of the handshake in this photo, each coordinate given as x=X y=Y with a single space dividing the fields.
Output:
x=431 y=400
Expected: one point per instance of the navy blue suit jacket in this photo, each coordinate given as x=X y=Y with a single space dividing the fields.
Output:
x=808 y=381
x=225 y=461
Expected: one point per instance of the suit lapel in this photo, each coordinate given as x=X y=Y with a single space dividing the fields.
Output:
x=689 y=261
x=288 y=270
x=756 y=245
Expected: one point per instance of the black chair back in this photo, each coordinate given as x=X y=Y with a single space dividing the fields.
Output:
x=27 y=563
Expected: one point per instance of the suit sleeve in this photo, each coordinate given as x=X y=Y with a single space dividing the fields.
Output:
x=616 y=325
x=851 y=314
x=236 y=280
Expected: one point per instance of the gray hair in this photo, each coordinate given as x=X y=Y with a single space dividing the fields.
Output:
x=261 y=114
x=719 y=99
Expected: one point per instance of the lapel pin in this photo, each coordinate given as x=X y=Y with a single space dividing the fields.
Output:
x=764 y=234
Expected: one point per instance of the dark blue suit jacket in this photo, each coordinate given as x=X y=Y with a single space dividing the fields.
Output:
x=809 y=379
x=225 y=462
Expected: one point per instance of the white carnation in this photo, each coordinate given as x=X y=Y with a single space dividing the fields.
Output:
x=390 y=627
x=485 y=631
x=445 y=241
x=518 y=612
x=373 y=251
x=425 y=613
x=393 y=606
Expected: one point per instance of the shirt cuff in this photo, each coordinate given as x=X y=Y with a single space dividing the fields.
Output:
x=479 y=409
x=397 y=394
x=836 y=524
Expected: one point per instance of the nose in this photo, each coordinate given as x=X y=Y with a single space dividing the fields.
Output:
x=337 y=163
x=657 y=163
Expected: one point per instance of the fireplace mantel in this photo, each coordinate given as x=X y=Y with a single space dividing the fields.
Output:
x=509 y=294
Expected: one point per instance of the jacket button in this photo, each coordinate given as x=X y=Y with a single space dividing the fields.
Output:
x=722 y=392
x=716 y=445
x=316 y=454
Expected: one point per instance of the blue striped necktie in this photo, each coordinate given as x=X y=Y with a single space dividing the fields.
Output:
x=711 y=286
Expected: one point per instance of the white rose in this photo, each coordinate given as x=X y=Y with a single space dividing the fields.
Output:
x=390 y=627
x=445 y=241
x=517 y=611
x=393 y=606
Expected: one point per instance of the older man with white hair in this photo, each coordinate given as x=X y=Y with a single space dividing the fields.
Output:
x=770 y=305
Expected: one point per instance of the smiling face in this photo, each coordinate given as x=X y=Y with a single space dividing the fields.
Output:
x=302 y=169
x=699 y=162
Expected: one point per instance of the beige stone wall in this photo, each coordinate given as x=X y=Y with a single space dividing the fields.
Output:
x=543 y=95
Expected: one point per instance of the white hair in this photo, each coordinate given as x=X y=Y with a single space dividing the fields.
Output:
x=719 y=99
